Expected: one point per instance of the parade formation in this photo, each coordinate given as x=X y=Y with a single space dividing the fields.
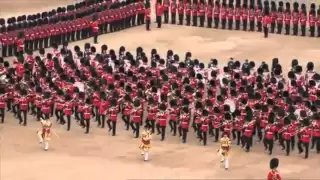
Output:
x=233 y=104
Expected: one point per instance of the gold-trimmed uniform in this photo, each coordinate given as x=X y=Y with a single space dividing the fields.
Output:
x=225 y=145
x=145 y=141
x=46 y=129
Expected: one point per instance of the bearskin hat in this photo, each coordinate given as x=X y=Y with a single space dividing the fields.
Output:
x=274 y=163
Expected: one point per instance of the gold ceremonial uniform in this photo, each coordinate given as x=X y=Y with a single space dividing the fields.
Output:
x=225 y=145
x=145 y=141
x=45 y=132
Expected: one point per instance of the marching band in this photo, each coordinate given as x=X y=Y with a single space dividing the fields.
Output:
x=238 y=101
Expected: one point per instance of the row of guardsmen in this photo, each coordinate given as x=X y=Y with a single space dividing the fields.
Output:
x=41 y=31
x=236 y=15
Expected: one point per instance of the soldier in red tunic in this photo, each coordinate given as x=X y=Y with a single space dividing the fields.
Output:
x=248 y=130
x=274 y=174
x=159 y=13
x=305 y=136
x=180 y=12
x=303 y=19
x=244 y=16
x=166 y=5
x=67 y=110
x=3 y=99
x=173 y=10
x=136 y=119
x=113 y=113
x=23 y=107
x=45 y=105
x=287 y=18
x=251 y=18
x=162 y=117
x=316 y=132
x=280 y=16
x=201 y=12
x=95 y=29
x=312 y=19
x=237 y=15
x=295 y=18
x=266 y=22
x=194 y=10
x=270 y=131
x=273 y=16
x=174 y=115
x=216 y=14
x=147 y=15
x=87 y=113
x=287 y=133
x=209 y=10
x=204 y=126
x=230 y=14
x=187 y=8
x=184 y=123
x=20 y=44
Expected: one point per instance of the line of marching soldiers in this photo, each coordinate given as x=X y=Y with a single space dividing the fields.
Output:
x=238 y=100
x=234 y=15
x=71 y=26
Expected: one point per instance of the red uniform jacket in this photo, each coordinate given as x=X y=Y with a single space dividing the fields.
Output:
x=274 y=175
x=180 y=8
x=95 y=26
x=87 y=110
x=159 y=9
x=266 y=21
x=147 y=14
x=20 y=45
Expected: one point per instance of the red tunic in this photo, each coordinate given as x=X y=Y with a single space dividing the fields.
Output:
x=95 y=26
x=3 y=100
x=162 y=119
x=23 y=102
x=152 y=111
x=274 y=175
x=87 y=112
x=113 y=112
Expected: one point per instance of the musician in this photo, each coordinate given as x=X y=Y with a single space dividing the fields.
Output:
x=44 y=134
x=79 y=109
x=305 y=135
x=237 y=126
x=217 y=122
x=23 y=107
x=3 y=99
x=59 y=105
x=45 y=105
x=274 y=174
x=196 y=124
x=87 y=111
x=248 y=131
x=227 y=124
x=162 y=117
x=136 y=117
x=113 y=112
x=145 y=142
x=184 y=123
x=204 y=126
x=270 y=131
x=126 y=110
x=174 y=115
x=316 y=133
x=102 y=109
x=287 y=134
x=67 y=110
x=225 y=146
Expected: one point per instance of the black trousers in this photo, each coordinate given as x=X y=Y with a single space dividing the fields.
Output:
x=87 y=124
x=159 y=21
x=188 y=19
x=238 y=24
x=166 y=16
x=316 y=142
x=303 y=30
x=151 y=124
x=22 y=116
x=306 y=147
x=279 y=28
x=181 y=19
x=272 y=27
x=246 y=142
x=209 y=22
x=216 y=134
x=112 y=126
x=287 y=29
x=173 y=18
x=251 y=24
x=183 y=132
x=318 y=29
x=135 y=126
x=236 y=135
x=161 y=130
x=259 y=25
x=126 y=120
x=265 y=31
x=230 y=24
x=2 y=114
x=312 y=30
x=245 y=24
x=295 y=29
x=202 y=18
x=68 y=122
x=268 y=144
x=203 y=137
x=216 y=22
x=194 y=20
x=148 y=24
x=95 y=37
x=173 y=127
